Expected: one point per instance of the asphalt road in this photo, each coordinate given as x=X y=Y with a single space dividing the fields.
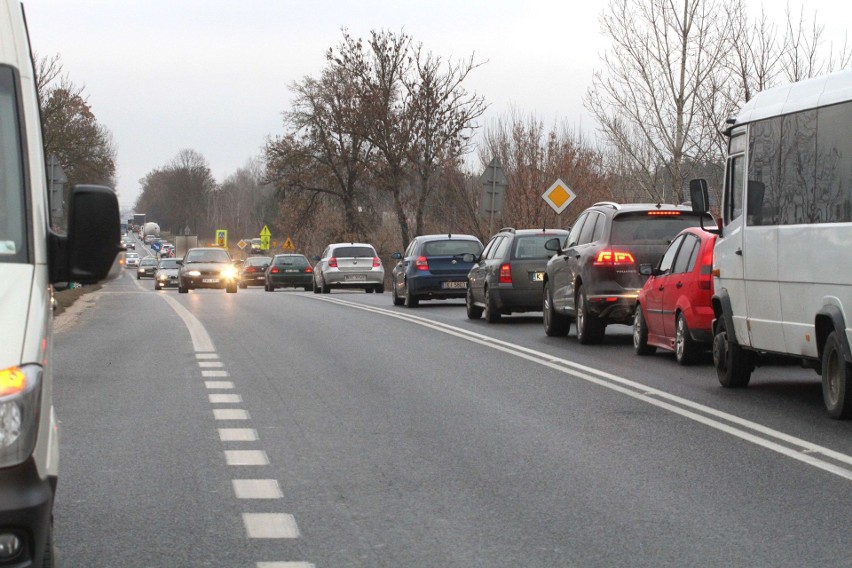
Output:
x=290 y=429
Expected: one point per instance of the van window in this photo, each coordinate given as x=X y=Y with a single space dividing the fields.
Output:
x=13 y=244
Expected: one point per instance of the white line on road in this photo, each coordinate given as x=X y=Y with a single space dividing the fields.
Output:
x=796 y=448
x=210 y=364
x=230 y=414
x=200 y=339
x=206 y=355
x=224 y=398
x=270 y=525
x=223 y=385
x=257 y=489
x=246 y=457
x=211 y=374
x=284 y=565
x=237 y=434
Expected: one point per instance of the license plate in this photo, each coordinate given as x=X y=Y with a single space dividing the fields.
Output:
x=210 y=280
x=291 y=271
x=354 y=277
x=454 y=285
x=536 y=276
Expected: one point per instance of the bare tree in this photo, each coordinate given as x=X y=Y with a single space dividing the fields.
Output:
x=648 y=99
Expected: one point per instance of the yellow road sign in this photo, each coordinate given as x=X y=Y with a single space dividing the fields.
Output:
x=559 y=196
x=288 y=244
x=264 y=238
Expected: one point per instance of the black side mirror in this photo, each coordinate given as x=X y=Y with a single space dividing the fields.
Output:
x=87 y=254
x=553 y=245
x=646 y=270
x=396 y=256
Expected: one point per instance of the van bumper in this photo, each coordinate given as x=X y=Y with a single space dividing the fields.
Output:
x=26 y=505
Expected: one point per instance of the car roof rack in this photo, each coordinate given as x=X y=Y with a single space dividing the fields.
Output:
x=507 y=230
x=612 y=204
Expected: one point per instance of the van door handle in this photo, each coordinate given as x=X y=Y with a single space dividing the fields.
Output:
x=739 y=252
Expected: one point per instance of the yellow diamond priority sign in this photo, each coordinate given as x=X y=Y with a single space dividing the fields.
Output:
x=559 y=196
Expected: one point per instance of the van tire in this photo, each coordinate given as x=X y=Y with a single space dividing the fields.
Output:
x=733 y=363
x=836 y=379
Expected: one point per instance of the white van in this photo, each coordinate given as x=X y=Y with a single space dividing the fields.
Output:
x=32 y=259
x=782 y=264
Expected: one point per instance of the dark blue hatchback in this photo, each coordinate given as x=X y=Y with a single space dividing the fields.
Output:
x=433 y=267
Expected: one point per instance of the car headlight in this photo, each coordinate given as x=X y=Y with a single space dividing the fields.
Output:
x=20 y=397
x=193 y=273
x=229 y=273
x=162 y=277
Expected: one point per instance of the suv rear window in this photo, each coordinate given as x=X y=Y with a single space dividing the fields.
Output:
x=644 y=229
x=352 y=252
x=451 y=248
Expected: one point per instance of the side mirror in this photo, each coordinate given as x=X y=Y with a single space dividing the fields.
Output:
x=699 y=196
x=88 y=253
x=396 y=256
x=646 y=270
x=469 y=257
x=553 y=245
x=179 y=262
x=317 y=258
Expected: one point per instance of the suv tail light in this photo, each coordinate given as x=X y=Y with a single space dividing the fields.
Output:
x=376 y=262
x=505 y=273
x=421 y=263
x=614 y=258
x=332 y=262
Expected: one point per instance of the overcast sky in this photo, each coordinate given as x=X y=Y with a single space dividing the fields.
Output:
x=213 y=75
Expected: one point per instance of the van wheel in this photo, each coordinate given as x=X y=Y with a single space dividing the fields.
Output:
x=590 y=329
x=686 y=349
x=640 y=334
x=555 y=325
x=492 y=314
x=836 y=379
x=733 y=363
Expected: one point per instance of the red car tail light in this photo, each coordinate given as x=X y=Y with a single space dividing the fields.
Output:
x=614 y=258
x=309 y=270
x=332 y=262
x=664 y=213
x=421 y=263
x=505 y=273
x=250 y=269
x=376 y=262
x=705 y=277
x=274 y=270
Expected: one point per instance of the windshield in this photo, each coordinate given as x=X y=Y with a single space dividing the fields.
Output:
x=207 y=255
x=258 y=260
x=12 y=209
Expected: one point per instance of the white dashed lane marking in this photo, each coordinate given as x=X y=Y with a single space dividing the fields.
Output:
x=270 y=525
x=225 y=398
x=211 y=374
x=223 y=385
x=257 y=489
x=246 y=457
x=210 y=364
x=237 y=434
x=230 y=414
x=206 y=355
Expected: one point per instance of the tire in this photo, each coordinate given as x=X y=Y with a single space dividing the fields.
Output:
x=555 y=325
x=492 y=314
x=640 y=334
x=368 y=290
x=308 y=288
x=397 y=301
x=733 y=363
x=410 y=300
x=686 y=349
x=138 y=277
x=182 y=289
x=836 y=379
x=157 y=286
x=50 y=560
x=324 y=289
x=380 y=289
x=268 y=288
x=590 y=329
x=232 y=289
x=474 y=312
x=243 y=285
x=314 y=286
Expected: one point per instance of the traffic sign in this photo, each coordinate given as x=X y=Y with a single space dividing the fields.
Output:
x=288 y=244
x=559 y=196
x=242 y=244
x=264 y=238
x=221 y=238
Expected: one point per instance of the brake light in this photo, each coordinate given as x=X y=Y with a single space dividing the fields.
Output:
x=705 y=278
x=250 y=269
x=505 y=273
x=614 y=258
x=309 y=270
x=332 y=262
x=274 y=270
x=664 y=213
x=421 y=263
x=376 y=262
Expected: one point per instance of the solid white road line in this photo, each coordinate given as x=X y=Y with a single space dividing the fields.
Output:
x=200 y=339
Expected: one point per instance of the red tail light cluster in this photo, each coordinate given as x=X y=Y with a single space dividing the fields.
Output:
x=614 y=258
x=376 y=262
x=421 y=263
x=705 y=278
x=664 y=213
x=505 y=273
x=332 y=262
x=251 y=269
x=309 y=270
x=274 y=270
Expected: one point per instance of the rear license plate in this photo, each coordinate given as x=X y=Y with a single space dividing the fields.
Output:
x=536 y=276
x=291 y=271
x=210 y=280
x=454 y=285
x=354 y=277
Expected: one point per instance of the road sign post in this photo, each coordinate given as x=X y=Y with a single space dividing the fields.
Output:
x=494 y=183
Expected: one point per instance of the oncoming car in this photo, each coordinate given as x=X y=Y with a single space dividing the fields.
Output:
x=166 y=275
x=349 y=265
x=207 y=267
x=147 y=268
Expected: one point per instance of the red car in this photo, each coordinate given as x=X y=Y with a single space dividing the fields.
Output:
x=673 y=310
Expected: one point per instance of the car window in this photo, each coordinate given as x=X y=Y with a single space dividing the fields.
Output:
x=644 y=229
x=490 y=246
x=171 y=263
x=574 y=235
x=532 y=246
x=589 y=228
x=258 y=260
x=500 y=251
x=207 y=255
x=451 y=247
x=13 y=242
x=354 y=252
x=669 y=256
x=686 y=255
x=494 y=245
x=296 y=261
x=409 y=251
